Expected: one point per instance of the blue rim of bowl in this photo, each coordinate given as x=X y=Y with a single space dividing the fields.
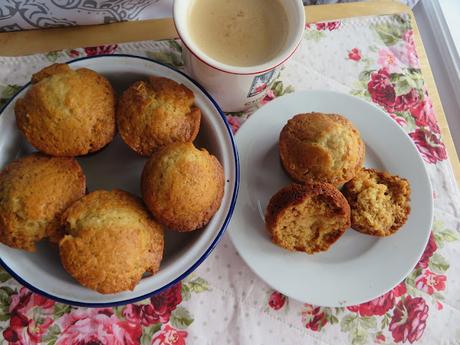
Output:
x=208 y=250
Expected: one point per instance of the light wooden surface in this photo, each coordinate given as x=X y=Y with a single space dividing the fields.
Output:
x=40 y=41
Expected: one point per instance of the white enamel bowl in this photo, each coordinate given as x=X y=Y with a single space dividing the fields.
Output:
x=118 y=167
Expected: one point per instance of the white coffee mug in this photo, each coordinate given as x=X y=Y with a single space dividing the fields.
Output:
x=237 y=88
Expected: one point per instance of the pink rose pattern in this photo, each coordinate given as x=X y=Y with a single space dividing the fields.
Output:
x=395 y=84
x=97 y=326
x=30 y=317
x=329 y=26
x=354 y=54
x=268 y=97
x=430 y=248
x=234 y=123
x=412 y=59
x=408 y=56
x=91 y=51
x=380 y=305
x=429 y=145
x=380 y=339
x=276 y=300
x=169 y=336
x=426 y=134
x=314 y=318
x=399 y=120
x=431 y=282
x=409 y=319
x=35 y=319
x=389 y=61
x=101 y=50
x=158 y=310
x=383 y=90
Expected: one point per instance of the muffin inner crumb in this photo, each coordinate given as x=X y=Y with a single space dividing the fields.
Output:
x=378 y=201
x=373 y=203
x=307 y=225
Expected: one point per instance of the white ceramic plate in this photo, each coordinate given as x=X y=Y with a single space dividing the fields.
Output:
x=117 y=166
x=358 y=267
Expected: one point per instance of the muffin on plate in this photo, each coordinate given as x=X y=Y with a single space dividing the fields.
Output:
x=67 y=112
x=155 y=113
x=183 y=186
x=307 y=217
x=110 y=242
x=379 y=202
x=34 y=192
x=321 y=147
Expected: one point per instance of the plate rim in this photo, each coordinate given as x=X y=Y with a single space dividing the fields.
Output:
x=425 y=173
x=207 y=251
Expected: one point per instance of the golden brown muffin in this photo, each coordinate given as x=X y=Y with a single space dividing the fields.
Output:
x=67 y=112
x=155 y=113
x=321 y=147
x=379 y=202
x=307 y=218
x=183 y=186
x=34 y=192
x=111 y=241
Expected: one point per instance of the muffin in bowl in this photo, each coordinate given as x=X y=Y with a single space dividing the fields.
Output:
x=183 y=186
x=67 y=112
x=34 y=192
x=111 y=241
x=155 y=113
x=321 y=147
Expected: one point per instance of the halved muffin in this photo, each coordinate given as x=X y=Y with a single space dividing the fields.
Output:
x=379 y=202
x=67 y=112
x=307 y=217
x=34 y=192
x=321 y=147
x=155 y=113
x=111 y=241
x=183 y=186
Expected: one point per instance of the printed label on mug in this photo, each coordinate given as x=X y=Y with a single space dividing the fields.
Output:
x=260 y=83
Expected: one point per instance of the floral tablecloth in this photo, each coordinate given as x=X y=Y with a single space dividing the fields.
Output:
x=223 y=302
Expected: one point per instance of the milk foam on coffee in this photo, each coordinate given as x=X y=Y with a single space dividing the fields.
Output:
x=238 y=32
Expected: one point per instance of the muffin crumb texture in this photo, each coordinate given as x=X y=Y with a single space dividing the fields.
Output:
x=307 y=218
x=379 y=202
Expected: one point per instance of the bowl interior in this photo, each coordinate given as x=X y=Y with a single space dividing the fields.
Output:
x=116 y=166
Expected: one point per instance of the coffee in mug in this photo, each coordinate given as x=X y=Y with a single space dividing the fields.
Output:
x=238 y=32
